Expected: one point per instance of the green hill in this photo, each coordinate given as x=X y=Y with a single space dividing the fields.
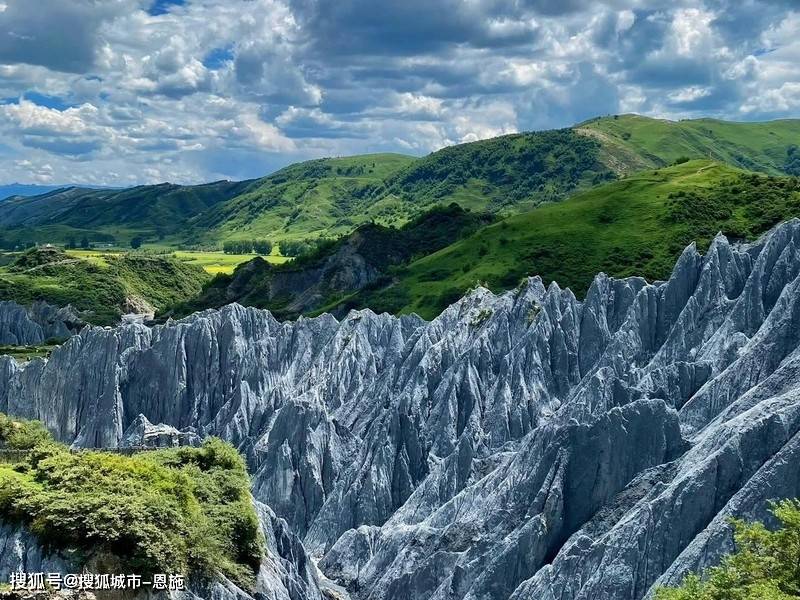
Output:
x=325 y=197
x=364 y=258
x=511 y=173
x=101 y=293
x=632 y=143
x=153 y=211
x=333 y=196
x=635 y=226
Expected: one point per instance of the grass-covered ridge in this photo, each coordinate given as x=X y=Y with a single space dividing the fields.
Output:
x=631 y=143
x=102 y=292
x=764 y=565
x=335 y=268
x=324 y=197
x=182 y=510
x=506 y=174
x=635 y=226
x=330 y=197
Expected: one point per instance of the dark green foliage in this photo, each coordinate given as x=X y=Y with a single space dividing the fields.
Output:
x=792 y=165
x=296 y=247
x=25 y=353
x=136 y=242
x=764 y=565
x=247 y=247
x=740 y=207
x=183 y=510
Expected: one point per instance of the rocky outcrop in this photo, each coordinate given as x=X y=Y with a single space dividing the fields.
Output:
x=285 y=574
x=527 y=445
x=21 y=326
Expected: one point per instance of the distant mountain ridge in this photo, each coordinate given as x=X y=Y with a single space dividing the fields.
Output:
x=26 y=189
x=333 y=196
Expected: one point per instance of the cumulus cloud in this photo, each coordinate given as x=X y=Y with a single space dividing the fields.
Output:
x=128 y=91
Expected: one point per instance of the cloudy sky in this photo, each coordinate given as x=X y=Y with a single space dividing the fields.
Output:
x=120 y=92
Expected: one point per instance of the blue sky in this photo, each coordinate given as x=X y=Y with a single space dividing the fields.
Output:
x=119 y=92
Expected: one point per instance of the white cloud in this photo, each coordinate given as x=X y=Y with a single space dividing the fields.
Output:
x=231 y=88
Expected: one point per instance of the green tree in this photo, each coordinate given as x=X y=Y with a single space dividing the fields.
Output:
x=262 y=246
x=764 y=566
x=137 y=242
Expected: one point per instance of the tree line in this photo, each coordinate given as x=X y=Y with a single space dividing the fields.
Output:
x=247 y=247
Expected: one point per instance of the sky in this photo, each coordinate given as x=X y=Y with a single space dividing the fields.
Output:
x=124 y=92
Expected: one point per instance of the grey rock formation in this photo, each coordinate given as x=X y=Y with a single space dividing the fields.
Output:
x=527 y=445
x=21 y=551
x=143 y=434
x=21 y=326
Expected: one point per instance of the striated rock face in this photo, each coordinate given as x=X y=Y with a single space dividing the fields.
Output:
x=20 y=326
x=519 y=446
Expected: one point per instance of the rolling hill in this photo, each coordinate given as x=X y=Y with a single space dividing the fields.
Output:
x=331 y=197
x=632 y=143
x=110 y=215
x=638 y=225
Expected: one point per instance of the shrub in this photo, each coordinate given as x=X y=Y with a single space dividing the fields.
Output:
x=764 y=565
x=181 y=510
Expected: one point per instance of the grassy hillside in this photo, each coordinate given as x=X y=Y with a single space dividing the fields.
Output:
x=632 y=143
x=635 y=226
x=363 y=258
x=152 y=211
x=325 y=197
x=183 y=510
x=331 y=197
x=101 y=292
x=511 y=173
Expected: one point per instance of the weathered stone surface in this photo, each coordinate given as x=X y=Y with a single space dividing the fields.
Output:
x=526 y=445
x=21 y=326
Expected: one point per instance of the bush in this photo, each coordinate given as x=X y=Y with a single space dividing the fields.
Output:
x=182 y=510
x=764 y=565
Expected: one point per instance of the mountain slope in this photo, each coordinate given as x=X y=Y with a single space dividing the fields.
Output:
x=527 y=445
x=508 y=173
x=636 y=225
x=331 y=197
x=328 y=196
x=632 y=143
x=155 y=210
x=358 y=260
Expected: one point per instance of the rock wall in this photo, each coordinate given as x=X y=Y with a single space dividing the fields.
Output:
x=21 y=326
x=527 y=445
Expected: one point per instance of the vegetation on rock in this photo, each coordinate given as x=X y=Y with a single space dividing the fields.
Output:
x=764 y=565
x=179 y=510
